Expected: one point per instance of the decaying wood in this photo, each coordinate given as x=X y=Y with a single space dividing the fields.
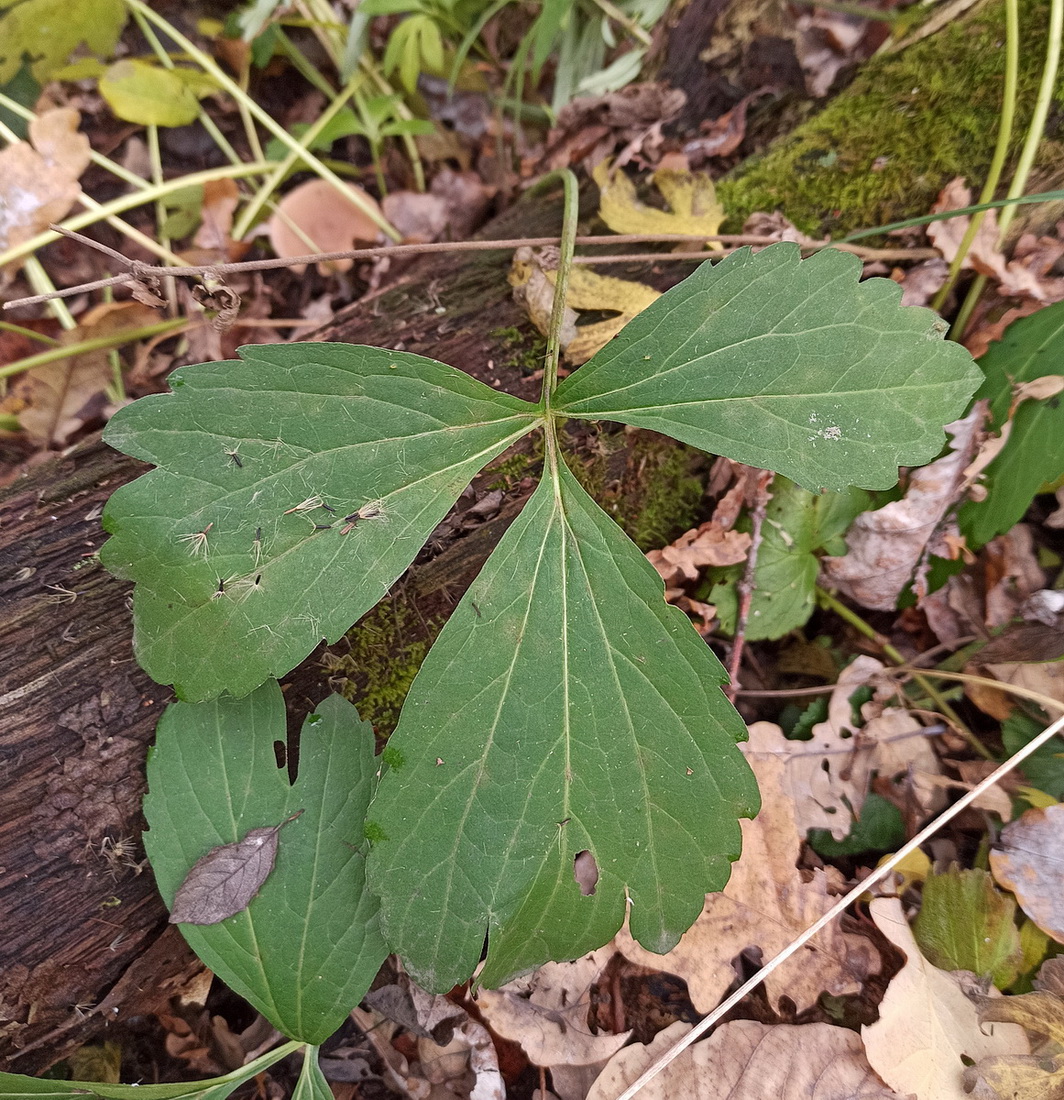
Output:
x=85 y=941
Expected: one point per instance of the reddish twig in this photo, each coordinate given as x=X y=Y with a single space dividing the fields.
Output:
x=745 y=587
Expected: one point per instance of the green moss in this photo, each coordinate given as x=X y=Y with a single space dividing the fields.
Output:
x=387 y=647
x=909 y=123
x=520 y=349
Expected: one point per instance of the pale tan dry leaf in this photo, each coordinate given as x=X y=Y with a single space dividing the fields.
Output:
x=922 y=282
x=828 y=776
x=746 y=1060
x=220 y=199
x=927 y=1027
x=56 y=400
x=39 y=182
x=1030 y=863
x=765 y=905
x=547 y=1013
x=315 y=217
x=886 y=546
x=469 y=1053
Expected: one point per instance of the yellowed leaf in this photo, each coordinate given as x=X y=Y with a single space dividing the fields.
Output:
x=928 y=1030
x=766 y=904
x=1030 y=863
x=692 y=196
x=746 y=1060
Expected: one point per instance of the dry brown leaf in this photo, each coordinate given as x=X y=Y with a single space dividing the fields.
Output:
x=547 y=1013
x=220 y=199
x=708 y=544
x=56 y=400
x=745 y=1060
x=468 y=1053
x=315 y=217
x=1030 y=863
x=886 y=546
x=39 y=181
x=420 y=218
x=765 y=905
x=1014 y=277
x=927 y=1028
x=225 y=880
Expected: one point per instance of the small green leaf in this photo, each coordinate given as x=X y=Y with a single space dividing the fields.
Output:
x=1044 y=768
x=49 y=31
x=966 y=923
x=798 y=525
x=217 y=1088
x=148 y=94
x=307 y=947
x=787 y=364
x=311 y=1084
x=599 y=727
x=880 y=828
x=293 y=488
x=1034 y=454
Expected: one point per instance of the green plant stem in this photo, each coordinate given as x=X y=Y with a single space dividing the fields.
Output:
x=303 y=66
x=128 y=202
x=1047 y=702
x=156 y=160
x=403 y=111
x=570 y=220
x=848 y=615
x=1001 y=148
x=98 y=343
x=251 y=212
x=40 y=281
x=7 y=326
x=630 y=25
x=209 y=66
x=1027 y=154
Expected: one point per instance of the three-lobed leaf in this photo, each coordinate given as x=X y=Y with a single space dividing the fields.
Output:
x=293 y=487
x=787 y=364
x=307 y=947
x=564 y=708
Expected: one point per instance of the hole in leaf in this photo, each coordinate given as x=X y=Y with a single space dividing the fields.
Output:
x=586 y=873
x=280 y=753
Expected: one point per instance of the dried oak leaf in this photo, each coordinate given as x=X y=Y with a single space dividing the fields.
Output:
x=1030 y=863
x=746 y=1060
x=223 y=882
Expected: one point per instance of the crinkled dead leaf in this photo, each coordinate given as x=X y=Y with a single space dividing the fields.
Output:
x=547 y=1013
x=223 y=882
x=766 y=903
x=55 y=400
x=533 y=275
x=928 y=1030
x=315 y=217
x=706 y=545
x=1030 y=863
x=887 y=545
x=39 y=181
x=691 y=195
x=746 y=1060
x=1041 y=1014
x=469 y=1051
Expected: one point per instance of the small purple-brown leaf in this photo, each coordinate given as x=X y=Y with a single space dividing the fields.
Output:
x=223 y=882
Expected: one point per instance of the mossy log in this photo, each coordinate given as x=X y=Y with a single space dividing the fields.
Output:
x=84 y=940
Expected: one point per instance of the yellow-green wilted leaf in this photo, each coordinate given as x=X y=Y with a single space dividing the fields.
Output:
x=148 y=94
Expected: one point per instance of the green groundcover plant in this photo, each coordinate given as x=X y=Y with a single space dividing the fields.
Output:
x=564 y=709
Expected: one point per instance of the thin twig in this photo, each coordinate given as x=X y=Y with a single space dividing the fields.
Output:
x=745 y=587
x=138 y=270
x=840 y=906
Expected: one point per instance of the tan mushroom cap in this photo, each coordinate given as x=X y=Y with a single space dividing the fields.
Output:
x=325 y=217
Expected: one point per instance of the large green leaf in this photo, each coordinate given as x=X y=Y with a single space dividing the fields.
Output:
x=798 y=526
x=307 y=947
x=216 y=1088
x=787 y=364
x=1034 y=454
x=49 y=31
x=564 y=708
x=239 y=575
